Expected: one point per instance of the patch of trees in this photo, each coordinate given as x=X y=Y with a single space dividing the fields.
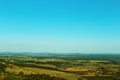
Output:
x=22 y=76
x=41 y=77
x=35 y=66
x=101 y=78
x=58 y=63
x=2 y=67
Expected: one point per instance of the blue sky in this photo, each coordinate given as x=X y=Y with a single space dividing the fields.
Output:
x=60 y=26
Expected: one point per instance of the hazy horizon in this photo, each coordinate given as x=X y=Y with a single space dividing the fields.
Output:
x=66 y=26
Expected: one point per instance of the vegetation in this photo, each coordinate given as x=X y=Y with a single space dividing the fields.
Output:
x=31 y=77
x=48 y=66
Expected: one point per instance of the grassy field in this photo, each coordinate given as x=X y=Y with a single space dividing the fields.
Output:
x=28 y=70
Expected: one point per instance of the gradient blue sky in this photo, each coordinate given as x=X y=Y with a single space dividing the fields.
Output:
x=60 y=26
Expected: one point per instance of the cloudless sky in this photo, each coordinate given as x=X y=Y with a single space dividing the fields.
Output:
x=60 y=26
